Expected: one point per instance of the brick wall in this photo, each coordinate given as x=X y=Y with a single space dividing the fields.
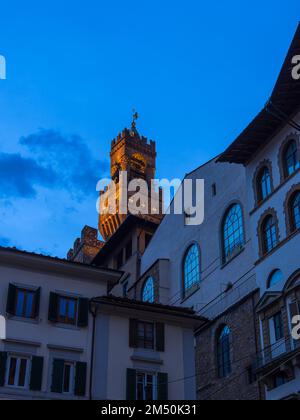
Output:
x=241 y=320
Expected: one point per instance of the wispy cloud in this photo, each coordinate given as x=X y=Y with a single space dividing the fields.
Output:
x=55 y=161
x=19 y=176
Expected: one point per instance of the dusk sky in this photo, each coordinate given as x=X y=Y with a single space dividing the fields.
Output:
x=197 y=72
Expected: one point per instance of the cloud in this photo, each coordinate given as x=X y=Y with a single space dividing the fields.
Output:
x=55 y=162
x=4 y=241
x=19 y=176
x=69 y=157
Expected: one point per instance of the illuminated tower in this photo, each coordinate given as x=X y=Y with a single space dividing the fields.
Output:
x=133 y=154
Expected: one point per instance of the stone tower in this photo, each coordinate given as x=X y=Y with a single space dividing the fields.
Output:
x=133 y=154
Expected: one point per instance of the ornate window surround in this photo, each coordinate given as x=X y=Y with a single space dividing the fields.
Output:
x=290 y=229
x=269 y=212
x=281 y=164
x=264 y=164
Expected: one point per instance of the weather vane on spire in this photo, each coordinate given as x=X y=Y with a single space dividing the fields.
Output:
x=135 y=117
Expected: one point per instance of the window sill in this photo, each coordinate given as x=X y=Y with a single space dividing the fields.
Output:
x=65 y=326
x=25 y=320
x=145 y=359
x=236 y=255
x=190 y=293
x=280 y=245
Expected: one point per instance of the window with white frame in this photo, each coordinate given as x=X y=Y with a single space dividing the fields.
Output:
x=146 y=386
x=68 y=378
x=18 y=372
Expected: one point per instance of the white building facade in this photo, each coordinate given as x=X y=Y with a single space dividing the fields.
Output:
x=272 y=161
x=47 y=350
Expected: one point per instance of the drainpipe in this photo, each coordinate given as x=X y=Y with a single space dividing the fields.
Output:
x=94 y=315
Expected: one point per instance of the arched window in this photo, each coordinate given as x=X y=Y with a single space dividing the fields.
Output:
x=148 y=291
x=191 y=269
x=275 y=278
x=269 y=234
x=233 y=232
x=295 y=211
x=291 y=158
x=224 y=353
x=264 y=186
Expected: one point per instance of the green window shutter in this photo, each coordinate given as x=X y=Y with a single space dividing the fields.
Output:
x=131 y=385
x=80 y=379
x=83 y=313
x=133 y=333
x=57 y=376
x=160 y=337
x=37 y=302
x=162 y=387
x=36 y=376
x=3 y=362
x=53 y=307
x=11 y=300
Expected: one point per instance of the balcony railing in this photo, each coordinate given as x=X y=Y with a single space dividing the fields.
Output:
x=275 y=352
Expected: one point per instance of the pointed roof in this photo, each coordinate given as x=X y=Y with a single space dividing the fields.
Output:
x=284 y=104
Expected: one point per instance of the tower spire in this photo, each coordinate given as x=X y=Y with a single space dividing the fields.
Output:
x=135 y=117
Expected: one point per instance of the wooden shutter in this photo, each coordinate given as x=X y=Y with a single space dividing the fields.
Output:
x=3 y=362
x=11 y=300
x=37 y=303
x=133 y=333
x=36 y=376
x=57 y=376
x=160 y=336
x=162 y=387
x=80 y=379
x=83 y=313
x=53 y=307
x=131 y=385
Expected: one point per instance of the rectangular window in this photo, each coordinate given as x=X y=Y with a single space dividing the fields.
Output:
x=146 y=386
x=67 y=310
x=25 y=303
x=145 y=335
x=68 y=378
x=278 y=326
x=18 y=372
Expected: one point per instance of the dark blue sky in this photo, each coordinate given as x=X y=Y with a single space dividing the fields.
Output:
x=196 y=71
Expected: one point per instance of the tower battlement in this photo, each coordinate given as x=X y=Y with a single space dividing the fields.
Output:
x=133 y=139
